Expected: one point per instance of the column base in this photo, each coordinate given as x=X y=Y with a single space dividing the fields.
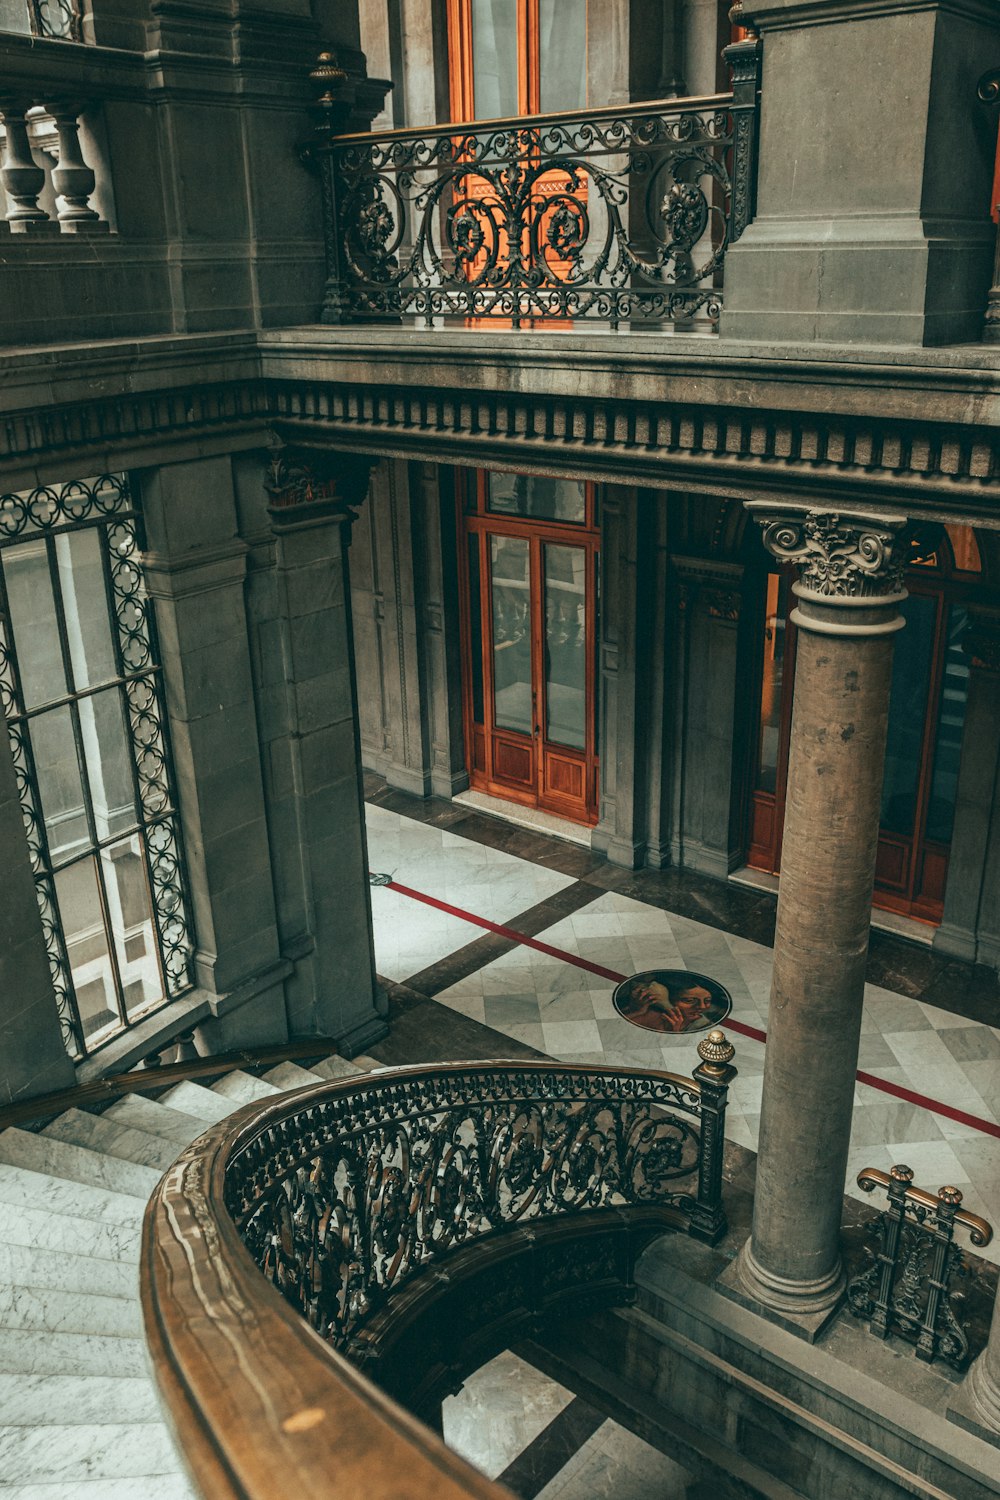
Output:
x=801 y=1307
x=976 y=1405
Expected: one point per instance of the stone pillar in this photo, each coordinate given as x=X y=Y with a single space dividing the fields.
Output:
x=33 y=1056
x=195 y=570
x=901 y=251
x=970 y=927
x=976 y=1404
x=849 y=591
x=309 y=735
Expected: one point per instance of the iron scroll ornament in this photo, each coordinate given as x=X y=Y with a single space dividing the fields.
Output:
x=342 y=1203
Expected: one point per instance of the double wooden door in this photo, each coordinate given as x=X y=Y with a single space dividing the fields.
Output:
x=530 y=585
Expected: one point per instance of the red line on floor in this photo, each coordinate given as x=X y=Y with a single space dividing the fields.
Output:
x=934 y=1106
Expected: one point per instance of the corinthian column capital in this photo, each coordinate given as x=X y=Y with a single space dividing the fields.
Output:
x=850 y=566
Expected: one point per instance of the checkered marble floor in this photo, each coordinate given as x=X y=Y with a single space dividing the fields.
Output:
x=410 y=935
x=567 y=1012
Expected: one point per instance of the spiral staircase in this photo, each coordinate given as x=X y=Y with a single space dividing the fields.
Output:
x=81 y=1416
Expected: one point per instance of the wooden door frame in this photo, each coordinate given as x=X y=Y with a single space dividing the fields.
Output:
x=480 y=522
x=461 y=71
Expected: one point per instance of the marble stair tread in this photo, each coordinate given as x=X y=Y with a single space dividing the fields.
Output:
x=54 y=1231
x=46 y=1311
x=28 y=1352
x=243 y=1088
x=122 y=1450
x=23 y=1189
x=332 y=1068
x=98 y=1133
x=154 y=1487
x=28 y=1265
x=205 y=1104
x=94 y=1400
x=38 y=1153
x=156 y=1119
x=289 y=1075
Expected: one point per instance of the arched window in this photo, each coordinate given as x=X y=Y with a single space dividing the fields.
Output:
x=926 y=720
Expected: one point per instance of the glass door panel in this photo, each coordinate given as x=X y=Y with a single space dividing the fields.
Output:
x=510 y=564
x=494 y=58
x=566 y=645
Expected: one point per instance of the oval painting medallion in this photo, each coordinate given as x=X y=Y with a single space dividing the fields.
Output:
x=672 y=1000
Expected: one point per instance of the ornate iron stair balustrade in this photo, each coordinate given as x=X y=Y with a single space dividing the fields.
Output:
x=907 y=1287
x=609 y=215
x=341 y=1194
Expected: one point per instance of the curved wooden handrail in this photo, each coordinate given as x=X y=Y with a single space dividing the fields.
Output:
x=261 y=1405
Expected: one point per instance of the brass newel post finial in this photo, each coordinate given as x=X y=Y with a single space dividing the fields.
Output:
x=327 y=74
x=716 y=1052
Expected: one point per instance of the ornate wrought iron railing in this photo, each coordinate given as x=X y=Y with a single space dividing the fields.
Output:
x=615 y=215
x=57 y=18
x=914 y=1265
x=341 y=1194
x=370 y=1188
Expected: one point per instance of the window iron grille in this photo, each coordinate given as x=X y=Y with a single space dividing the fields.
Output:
x=62 y=19
x=80 y=691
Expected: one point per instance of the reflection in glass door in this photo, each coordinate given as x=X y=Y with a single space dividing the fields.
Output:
x=529 y=601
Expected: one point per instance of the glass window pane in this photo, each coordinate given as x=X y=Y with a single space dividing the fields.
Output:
x=60 y=786
x=562 y=54
x=951 y=724
x=131 y=917
x=775 y=616
x=494 y=57
x=78 y=895
x=476 y=631
x=510 y=569
x=537 y=496
x=33 y=621
x=911 y=667
x=106 y=750
x=566 y=646
x=85 y=607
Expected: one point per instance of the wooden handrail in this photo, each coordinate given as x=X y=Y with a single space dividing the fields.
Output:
x=262 y=1406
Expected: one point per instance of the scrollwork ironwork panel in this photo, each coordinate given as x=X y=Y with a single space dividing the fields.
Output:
x=62 y=19
x=616 y=216
x=343 y=1201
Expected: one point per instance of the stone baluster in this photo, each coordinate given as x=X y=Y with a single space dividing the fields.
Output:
x=22 y=179
x=72 y=179
x=848 y=594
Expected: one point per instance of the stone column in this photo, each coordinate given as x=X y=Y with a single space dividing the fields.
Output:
x=849 y=591
x=976 y=1405
x=309 y=734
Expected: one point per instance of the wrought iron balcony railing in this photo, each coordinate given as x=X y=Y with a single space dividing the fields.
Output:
x=417 y=1220
x=608 y=215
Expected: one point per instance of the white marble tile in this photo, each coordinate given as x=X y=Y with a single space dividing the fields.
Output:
x=25 y=1352
x=99 y=1133
x=48 y=1311
x=21 y=1189
x=289 y=1075
x=500 y=1410
x=154 y=1487
x=155 y=1118
x=332 y=1068
x=57 y=1270
x=243 y=1088
x=562 y=1037
x=54 y=1231
x=32 y=1400
x=110 y=1451
x=40 y=1153
x=204 y=1104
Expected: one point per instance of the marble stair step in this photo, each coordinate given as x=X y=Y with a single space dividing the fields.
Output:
x=289 y=1075
x=43 y=1310
x=243 y=1088
x=156 y=1119
x=332 y=1068
x=121 y=1450
x=193 y=1099
x=23 y=1189
x=27 y=1265
x=54 y=1231
x=38 y=1153
x=28 y=1352
x=153 y=1487
x=85 y=1400
x=98 y=1133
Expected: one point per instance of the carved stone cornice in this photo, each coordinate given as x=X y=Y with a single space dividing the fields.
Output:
x=839 y=556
